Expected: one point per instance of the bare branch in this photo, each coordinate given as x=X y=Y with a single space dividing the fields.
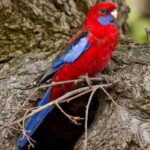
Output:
x=86 y=117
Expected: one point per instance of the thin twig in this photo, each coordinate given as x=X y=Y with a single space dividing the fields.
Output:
x=76 y=96
x=24 y=133
x=26 y=101
x=59 y=100
x=73 y=119
x=67 y=97
x=86 y=116
x=110 y=97
x=69 y=94
x=68 y=81
x=11 y=127
x=45 y=86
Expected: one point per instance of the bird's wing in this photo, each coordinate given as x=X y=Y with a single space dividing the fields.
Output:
x=76 y=47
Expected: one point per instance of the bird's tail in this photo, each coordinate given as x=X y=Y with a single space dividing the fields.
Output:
x=34 y=122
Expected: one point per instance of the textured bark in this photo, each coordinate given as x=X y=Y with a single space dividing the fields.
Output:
x=126 y=126
x=31 y=31
x=43 y=25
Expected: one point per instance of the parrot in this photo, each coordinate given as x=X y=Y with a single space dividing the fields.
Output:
x=86 y=53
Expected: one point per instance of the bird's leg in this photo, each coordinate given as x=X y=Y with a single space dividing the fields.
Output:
x=87 y=79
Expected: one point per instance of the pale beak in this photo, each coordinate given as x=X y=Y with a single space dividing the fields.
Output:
x=114 y=13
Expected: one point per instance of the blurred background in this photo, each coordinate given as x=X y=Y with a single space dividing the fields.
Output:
x=139 y=19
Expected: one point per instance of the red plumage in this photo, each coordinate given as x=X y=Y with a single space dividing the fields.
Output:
x=87 y=53
x=95 y=59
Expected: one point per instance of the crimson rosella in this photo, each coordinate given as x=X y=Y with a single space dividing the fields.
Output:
x=87 y=53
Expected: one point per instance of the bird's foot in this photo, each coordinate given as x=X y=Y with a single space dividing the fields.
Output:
x=106 y=78
x=87 y=80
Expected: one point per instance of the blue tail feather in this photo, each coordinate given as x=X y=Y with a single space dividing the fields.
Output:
x=34 y=122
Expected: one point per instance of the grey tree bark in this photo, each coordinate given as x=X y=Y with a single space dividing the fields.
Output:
x=126 y=126
x=31 y=32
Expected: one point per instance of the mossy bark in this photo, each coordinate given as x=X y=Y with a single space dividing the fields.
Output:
x=43 y=25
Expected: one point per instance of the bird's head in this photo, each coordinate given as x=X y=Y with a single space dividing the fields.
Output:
x=103 y=14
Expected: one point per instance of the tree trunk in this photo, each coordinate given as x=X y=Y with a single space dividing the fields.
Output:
x=125 y=125
x=31 y=31
x=43 y=25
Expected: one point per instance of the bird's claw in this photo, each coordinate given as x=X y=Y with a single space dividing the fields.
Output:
x=87 y=79
x=106 y=78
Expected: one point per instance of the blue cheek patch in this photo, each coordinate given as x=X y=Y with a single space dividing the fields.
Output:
x=105 y=20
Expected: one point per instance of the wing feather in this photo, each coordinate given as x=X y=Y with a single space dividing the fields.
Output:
x=73 y=51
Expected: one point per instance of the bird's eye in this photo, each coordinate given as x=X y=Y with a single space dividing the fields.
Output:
x=103 y=11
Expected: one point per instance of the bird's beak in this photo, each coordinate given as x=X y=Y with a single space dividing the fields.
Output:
x=114 y=13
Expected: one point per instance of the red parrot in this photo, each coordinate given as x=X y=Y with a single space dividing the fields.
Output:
x=87 y=53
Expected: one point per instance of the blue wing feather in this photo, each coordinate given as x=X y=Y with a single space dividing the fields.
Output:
x=73 y=51
x=34 y=122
